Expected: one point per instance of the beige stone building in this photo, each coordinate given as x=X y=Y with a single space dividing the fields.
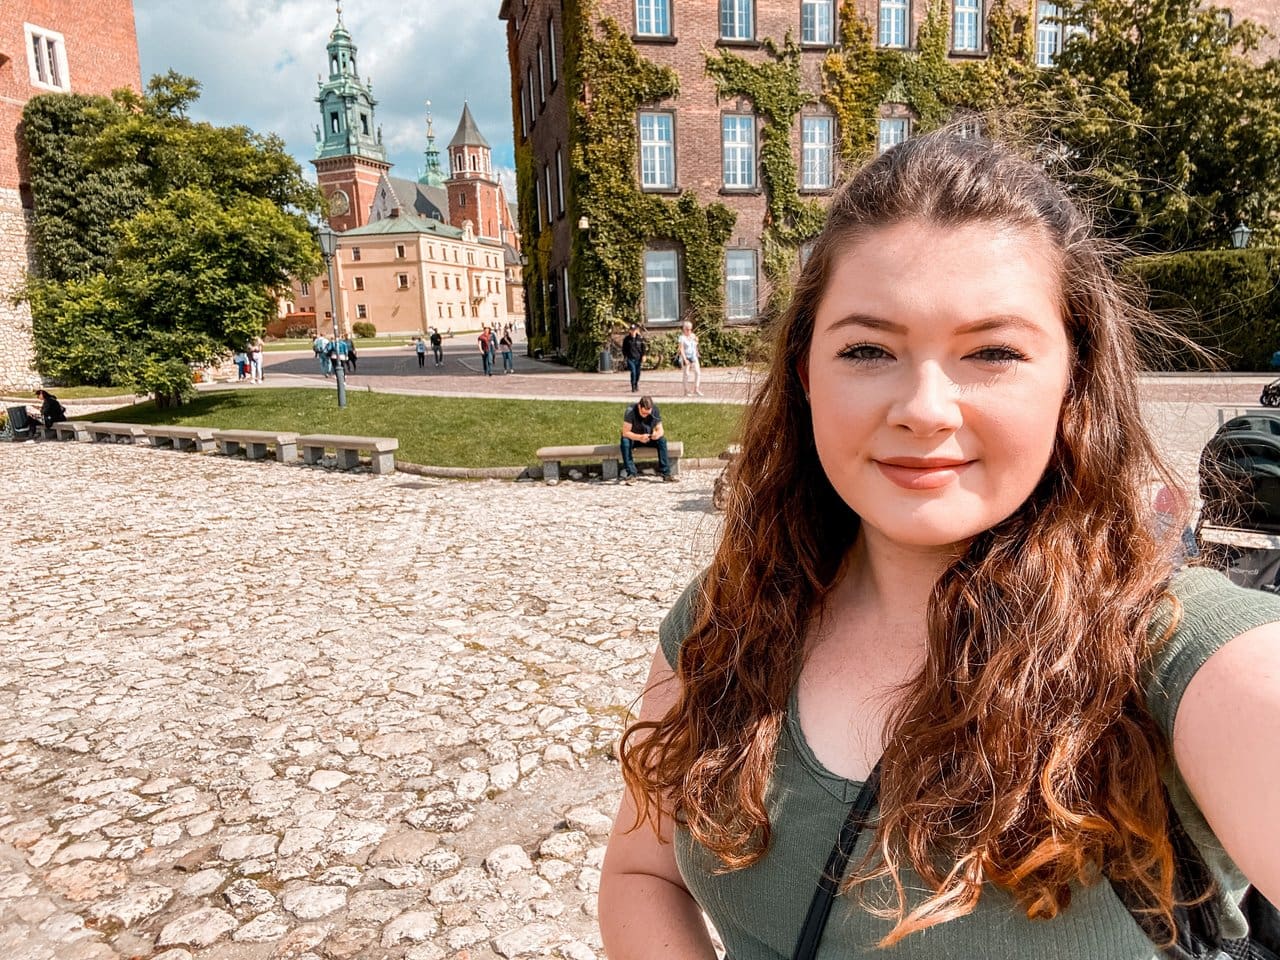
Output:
x=438 y=252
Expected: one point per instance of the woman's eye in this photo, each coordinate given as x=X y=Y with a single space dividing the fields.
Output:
x=863 y=352
x=1000 y=355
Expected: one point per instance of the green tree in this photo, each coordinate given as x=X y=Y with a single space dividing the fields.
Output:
x=1165 y=115
x=160 y=242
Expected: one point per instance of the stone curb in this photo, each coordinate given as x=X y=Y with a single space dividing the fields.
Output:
x=521 y=473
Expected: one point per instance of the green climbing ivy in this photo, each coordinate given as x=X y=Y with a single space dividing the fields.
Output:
x=775 y=88
x=607 y=83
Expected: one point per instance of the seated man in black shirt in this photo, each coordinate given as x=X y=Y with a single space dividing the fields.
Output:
x=642 y=427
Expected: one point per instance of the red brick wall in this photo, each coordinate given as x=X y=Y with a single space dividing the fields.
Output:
x=357 y=176
x=101 y=53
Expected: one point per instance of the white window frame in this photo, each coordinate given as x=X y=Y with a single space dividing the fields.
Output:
x=662 y=282
x=738 y=151
x=551 y=49
x=895 y=23
x=400 y=251
x=892 y=131
x=546 y=176
x=653 y=18
x=817 y=22
x=537 y=203
x=362 y=311
x=533 y=113
x=657 y=153
x=817 y=152
x=741 y=288
x=542 y=76
x=47 y=58
x=1048 y=33
x=524 y=114
x=560 y=181
x=564 y=295
x=737 y=19
x=966 y=25
x=402 y=281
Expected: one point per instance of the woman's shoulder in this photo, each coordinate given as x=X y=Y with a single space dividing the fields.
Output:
x=678 y=622
x=1211 y=611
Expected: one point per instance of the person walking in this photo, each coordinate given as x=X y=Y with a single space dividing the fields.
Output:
x=493 y=349
x=486 y=351
x=241 y=360
x=437 y=347
x=942 y=681
x=255 y=361
x=633 y=351
x=321 y=347
x=508 y=359
x=420 y=348
x=642 y=427
x=690 y=360
x=351 y=353
x=343 y=357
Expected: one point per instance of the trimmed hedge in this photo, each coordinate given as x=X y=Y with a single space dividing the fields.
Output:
x=1226 y=300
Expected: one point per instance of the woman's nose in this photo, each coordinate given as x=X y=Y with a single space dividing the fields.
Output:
x=927 y=401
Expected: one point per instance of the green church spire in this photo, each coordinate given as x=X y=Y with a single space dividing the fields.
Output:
x=347 y=125
x=433 y=176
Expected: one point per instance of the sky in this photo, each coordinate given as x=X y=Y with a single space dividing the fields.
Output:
x=258 y=60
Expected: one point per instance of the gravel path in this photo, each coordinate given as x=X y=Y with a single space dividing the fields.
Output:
x=254 y=711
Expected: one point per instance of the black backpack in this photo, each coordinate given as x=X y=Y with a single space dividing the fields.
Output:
x=1271 y=393
x=1240 y=474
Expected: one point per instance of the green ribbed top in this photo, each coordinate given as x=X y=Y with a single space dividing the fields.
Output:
x=759 y=911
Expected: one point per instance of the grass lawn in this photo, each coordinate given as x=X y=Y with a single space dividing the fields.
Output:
x=362 y=343
x=442 y=431
x=88 y=393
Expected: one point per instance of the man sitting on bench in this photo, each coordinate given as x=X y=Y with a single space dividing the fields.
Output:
x=642 y=427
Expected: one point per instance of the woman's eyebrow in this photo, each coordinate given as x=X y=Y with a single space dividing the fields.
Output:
x=983 y=325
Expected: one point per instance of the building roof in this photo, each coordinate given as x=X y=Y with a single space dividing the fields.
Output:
x=468 y=134
x=406 y=223
x=421 y=199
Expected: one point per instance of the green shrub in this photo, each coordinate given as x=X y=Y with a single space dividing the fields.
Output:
x=363 y=328
x=1227 y=301
x=299 y=330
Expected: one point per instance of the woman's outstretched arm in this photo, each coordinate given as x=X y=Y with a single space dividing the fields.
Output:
x=646 y=912
x=1227 y=744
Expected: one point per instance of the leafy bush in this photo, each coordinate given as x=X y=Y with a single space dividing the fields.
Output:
x=1227 y=301
x=363 y=328
x=299 y=330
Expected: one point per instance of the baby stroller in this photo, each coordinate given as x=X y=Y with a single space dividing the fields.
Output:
x=1270 y=394
x=18 y=425
x=1239 y=527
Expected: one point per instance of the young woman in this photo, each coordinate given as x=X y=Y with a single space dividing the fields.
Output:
x=690 y=360
x=939 y=563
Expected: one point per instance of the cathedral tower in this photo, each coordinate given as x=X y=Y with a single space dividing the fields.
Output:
x=350 y=158
x=473 y=188
x=433 y=175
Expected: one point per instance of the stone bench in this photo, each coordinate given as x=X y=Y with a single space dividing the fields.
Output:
x=255 y=443
x=609 y=456
x=382 y=450
x=114 y=432
x=199 y=439
x=71 y=430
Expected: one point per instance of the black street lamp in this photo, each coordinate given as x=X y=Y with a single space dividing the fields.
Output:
x=328 y=249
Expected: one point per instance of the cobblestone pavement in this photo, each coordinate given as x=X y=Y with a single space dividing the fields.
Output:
x=254 y=711
x=262 y=711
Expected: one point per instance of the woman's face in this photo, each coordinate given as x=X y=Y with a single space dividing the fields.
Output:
x=936 y=375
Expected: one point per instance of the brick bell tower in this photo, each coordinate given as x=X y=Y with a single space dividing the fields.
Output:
x=350 y=158
x=473 y=189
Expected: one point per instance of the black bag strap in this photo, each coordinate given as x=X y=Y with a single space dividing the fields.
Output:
x=815 y=920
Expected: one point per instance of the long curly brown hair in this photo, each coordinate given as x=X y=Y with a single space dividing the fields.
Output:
x=1022 y=754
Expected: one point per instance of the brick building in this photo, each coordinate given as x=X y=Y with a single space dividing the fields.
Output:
x=701 y=143
x=411 y=254
x=47 y=46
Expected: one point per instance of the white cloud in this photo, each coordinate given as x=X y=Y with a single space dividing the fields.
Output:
x=258 y=61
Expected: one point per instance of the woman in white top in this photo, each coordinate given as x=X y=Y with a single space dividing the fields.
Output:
x=689 y=359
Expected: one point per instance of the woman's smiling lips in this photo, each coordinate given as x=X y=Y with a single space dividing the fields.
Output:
x=922 y=473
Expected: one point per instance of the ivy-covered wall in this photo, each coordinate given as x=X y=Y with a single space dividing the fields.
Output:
x=609 y=81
